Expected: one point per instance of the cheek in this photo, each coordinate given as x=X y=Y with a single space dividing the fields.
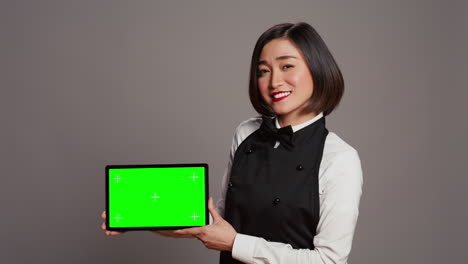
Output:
x=303 y=81
x=263 y=87
x=297 y=78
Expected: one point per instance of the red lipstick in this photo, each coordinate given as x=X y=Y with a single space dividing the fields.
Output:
x=278 y=96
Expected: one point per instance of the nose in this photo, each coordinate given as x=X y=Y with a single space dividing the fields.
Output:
x=276 y=79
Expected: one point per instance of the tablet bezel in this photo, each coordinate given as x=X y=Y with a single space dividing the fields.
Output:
x=108 y=213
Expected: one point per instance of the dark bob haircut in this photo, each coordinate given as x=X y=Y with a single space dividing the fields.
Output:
x=326 y=76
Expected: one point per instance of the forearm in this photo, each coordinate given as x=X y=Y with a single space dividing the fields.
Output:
x=250 y=249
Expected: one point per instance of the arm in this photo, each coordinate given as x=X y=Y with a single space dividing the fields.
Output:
x=338 y=215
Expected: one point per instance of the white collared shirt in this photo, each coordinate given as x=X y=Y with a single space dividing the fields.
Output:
x=298 y=127
x=340 y=188
x=301 y=126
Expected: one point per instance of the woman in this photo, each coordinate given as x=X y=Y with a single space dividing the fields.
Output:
x=291 y=189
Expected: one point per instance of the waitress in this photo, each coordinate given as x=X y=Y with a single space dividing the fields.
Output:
x=291 y=189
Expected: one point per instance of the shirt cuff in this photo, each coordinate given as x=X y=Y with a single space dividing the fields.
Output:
x=244 y=247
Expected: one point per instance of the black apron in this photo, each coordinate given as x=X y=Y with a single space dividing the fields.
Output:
x=273 y=192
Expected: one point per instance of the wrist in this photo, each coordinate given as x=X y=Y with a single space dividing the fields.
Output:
x=231 y=244
x=244 y=247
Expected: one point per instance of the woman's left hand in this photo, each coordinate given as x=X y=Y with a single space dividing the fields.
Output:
x=219 y=235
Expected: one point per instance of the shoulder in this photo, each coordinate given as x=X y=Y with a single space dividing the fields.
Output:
x=341 y=165
x=246 y=128
x=336 y=149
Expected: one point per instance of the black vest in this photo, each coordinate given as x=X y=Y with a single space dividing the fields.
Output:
x=273 y=192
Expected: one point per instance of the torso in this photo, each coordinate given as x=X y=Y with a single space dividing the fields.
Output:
x=274 y=192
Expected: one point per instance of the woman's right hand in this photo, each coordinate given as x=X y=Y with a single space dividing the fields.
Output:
x=166 y=233
x=170 y=233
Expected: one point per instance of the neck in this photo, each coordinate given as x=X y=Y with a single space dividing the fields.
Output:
x=293 y=120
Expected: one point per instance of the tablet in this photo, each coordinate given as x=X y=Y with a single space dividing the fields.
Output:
x=156 y=196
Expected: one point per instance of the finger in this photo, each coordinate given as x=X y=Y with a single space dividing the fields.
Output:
x=113 y=233
x=110 y=233
x=164 y=233
x=171 y=234
x=214 y=213
x=103 y=215
x=189 y=231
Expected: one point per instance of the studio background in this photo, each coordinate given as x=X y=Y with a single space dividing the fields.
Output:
x=90 y=83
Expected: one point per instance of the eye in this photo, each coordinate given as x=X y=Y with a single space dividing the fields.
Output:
x=288 y=66
x=261 y=72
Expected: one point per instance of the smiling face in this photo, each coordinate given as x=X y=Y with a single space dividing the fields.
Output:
x=285 y=82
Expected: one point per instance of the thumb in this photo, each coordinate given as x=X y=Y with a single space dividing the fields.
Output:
x=214 y=213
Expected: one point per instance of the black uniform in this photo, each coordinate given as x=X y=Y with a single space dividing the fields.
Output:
x=273 y=192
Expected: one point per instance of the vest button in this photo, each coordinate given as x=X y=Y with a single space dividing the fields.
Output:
x=248 y=151
x=230 y=185
x=299 y=167
x=276 y=201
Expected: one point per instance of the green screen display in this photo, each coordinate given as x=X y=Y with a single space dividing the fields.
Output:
x=141 y=197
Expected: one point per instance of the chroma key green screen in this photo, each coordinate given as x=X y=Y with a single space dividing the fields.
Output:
x=156 y=196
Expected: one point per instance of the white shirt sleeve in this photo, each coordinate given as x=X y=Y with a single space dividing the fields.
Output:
x=339 y=209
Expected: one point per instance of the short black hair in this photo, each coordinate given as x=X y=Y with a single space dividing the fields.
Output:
x=326 y=75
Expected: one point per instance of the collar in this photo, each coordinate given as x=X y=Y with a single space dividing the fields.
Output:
x=301 y=126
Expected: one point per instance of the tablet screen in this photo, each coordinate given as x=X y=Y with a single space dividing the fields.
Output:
x=165 y=196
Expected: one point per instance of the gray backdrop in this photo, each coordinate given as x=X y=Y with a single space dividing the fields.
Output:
x=90 y=83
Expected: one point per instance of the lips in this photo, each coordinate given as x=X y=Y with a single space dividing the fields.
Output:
x=278 y=96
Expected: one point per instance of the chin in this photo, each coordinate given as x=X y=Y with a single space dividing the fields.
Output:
x=282 y=111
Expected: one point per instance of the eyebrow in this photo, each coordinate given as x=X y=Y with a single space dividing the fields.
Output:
x=278 y=58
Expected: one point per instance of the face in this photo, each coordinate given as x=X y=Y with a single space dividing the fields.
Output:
x=284 y=81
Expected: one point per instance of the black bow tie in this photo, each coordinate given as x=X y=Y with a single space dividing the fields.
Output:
x=284 y=135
